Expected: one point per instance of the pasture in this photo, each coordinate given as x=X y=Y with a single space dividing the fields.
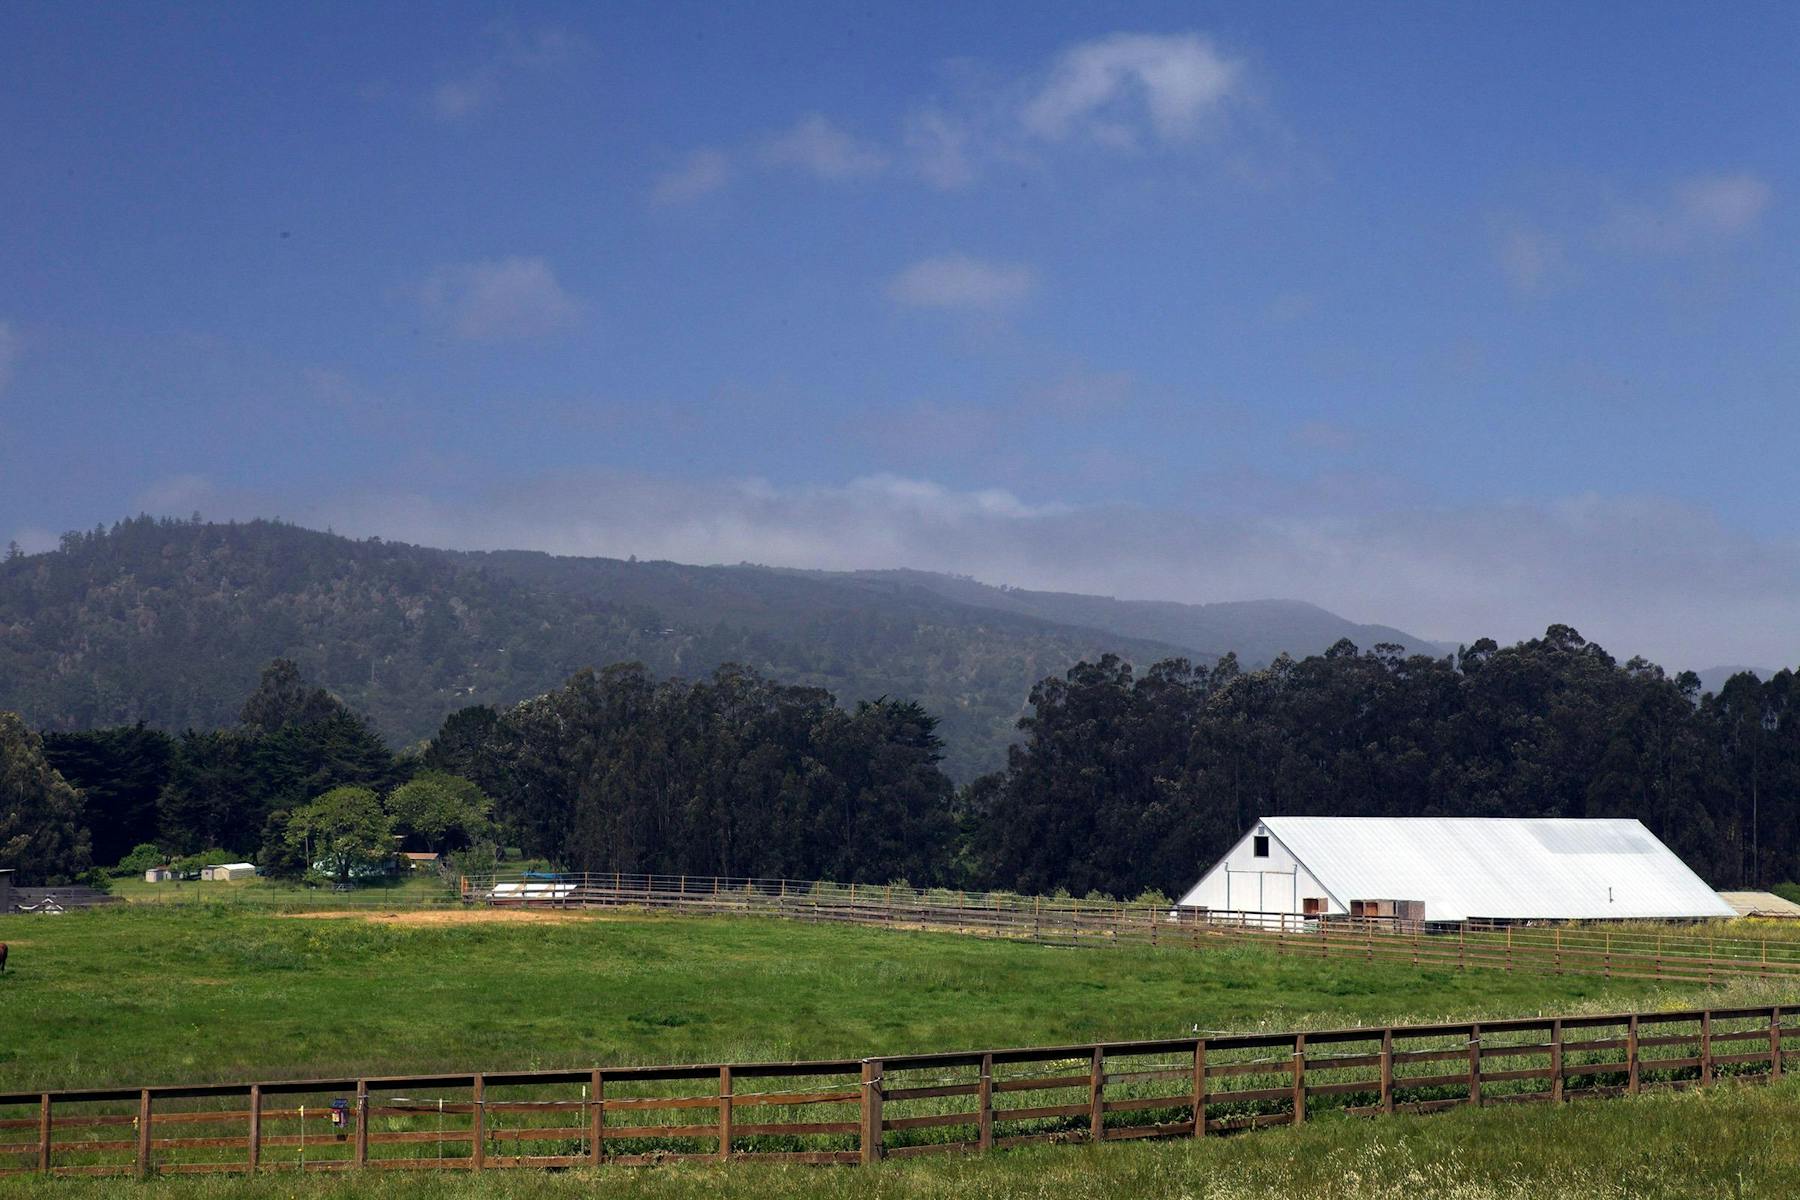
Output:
x=220 y=991
x=224 y=989
x=1730 y=1143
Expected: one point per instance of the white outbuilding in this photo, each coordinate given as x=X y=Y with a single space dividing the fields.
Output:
x=221 y=872
x=1458 y=868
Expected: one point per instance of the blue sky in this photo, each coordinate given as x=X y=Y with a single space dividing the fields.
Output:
x=1464 y=318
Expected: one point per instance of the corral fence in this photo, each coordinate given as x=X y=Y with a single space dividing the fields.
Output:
x=1624 y=950
x=862 y=1110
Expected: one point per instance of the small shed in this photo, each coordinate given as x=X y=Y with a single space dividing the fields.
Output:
x=159 y=874
x=1760 y=904
x=222 y=872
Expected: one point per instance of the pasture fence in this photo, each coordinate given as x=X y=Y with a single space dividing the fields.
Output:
x=1624 y=950
x=848 y=1111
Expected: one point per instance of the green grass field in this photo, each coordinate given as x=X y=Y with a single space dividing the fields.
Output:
x=221 y=992
x=227 y=989
x=1729 y=1143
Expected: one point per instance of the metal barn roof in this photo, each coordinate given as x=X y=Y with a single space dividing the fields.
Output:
x=1500 y=867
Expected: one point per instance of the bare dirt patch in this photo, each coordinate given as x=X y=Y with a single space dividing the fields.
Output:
x=450 y=916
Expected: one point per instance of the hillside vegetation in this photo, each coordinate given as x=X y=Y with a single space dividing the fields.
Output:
x=170 y=622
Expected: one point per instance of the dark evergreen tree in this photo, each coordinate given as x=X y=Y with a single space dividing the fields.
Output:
x=42 y=837
x=119 y=772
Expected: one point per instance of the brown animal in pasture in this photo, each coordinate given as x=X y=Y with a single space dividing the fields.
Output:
x=2 y=956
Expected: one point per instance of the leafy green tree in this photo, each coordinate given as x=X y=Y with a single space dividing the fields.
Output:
x=440 y=812
x=42 y=837
x=142 y=857
x=346 y=830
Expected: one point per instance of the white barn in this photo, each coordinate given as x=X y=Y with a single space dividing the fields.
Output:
x=1461 y=868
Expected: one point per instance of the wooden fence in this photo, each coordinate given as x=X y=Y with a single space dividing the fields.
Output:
x=861 y=1110
x=1623 y=951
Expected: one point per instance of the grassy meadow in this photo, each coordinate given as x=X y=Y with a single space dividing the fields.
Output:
x=235 y=984
x=220 y=991
x=1727 y=1143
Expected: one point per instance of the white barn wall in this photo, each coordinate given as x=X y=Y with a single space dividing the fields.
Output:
x=1242 y=882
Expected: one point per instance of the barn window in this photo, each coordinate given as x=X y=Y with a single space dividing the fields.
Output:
x=1260 y=846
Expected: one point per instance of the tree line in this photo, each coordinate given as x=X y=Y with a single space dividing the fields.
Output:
x=1122 y=781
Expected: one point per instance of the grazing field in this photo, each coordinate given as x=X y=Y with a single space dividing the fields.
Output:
x=194 y=993
x=1728 y=1143
x=230 y=990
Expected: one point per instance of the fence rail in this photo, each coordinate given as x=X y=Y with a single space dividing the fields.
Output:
x=1625 y=951
x=860 y=1110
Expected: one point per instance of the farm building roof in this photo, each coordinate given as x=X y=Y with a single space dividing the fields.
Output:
x=1760 y=904
x=1501 y=867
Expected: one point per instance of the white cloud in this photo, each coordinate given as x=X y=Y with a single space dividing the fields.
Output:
x=957 y=281
x=1640 y=575
x=499 y=300
x=1529 y=258
x=12 y=348
x=939 y=145
x=1098 y=88
x=510 y=52
x=816 y=145
x=454 y=99
x=702 y=173
x=1698 y=211
x=1124 y=90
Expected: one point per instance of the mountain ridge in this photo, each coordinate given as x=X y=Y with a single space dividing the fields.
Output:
x=169 y=622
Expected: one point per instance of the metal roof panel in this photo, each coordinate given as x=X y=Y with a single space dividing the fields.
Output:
x=1503 y=867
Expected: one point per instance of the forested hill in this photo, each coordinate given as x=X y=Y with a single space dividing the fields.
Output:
x=1257 y=631
x=171 y=622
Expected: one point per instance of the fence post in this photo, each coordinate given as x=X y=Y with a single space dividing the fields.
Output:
x=144 y=1124
x=1775 y=1042
x=724 y=1114
x=597 y=1117
x=1097 y=1096
x=1200 y=1088
x=1631 y=1056
x=362 y=1123
x=44 y=1133
x=1299 y=1078
x=255 y=1140
x=1706 y=1063
x=478 y=1126
x=1475 y=1065
x=1387 y=1071
x=871 y=1110
x=1556 y=1060
x=984 y=1097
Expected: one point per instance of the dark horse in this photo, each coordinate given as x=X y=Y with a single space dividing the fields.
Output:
x=2 y=956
